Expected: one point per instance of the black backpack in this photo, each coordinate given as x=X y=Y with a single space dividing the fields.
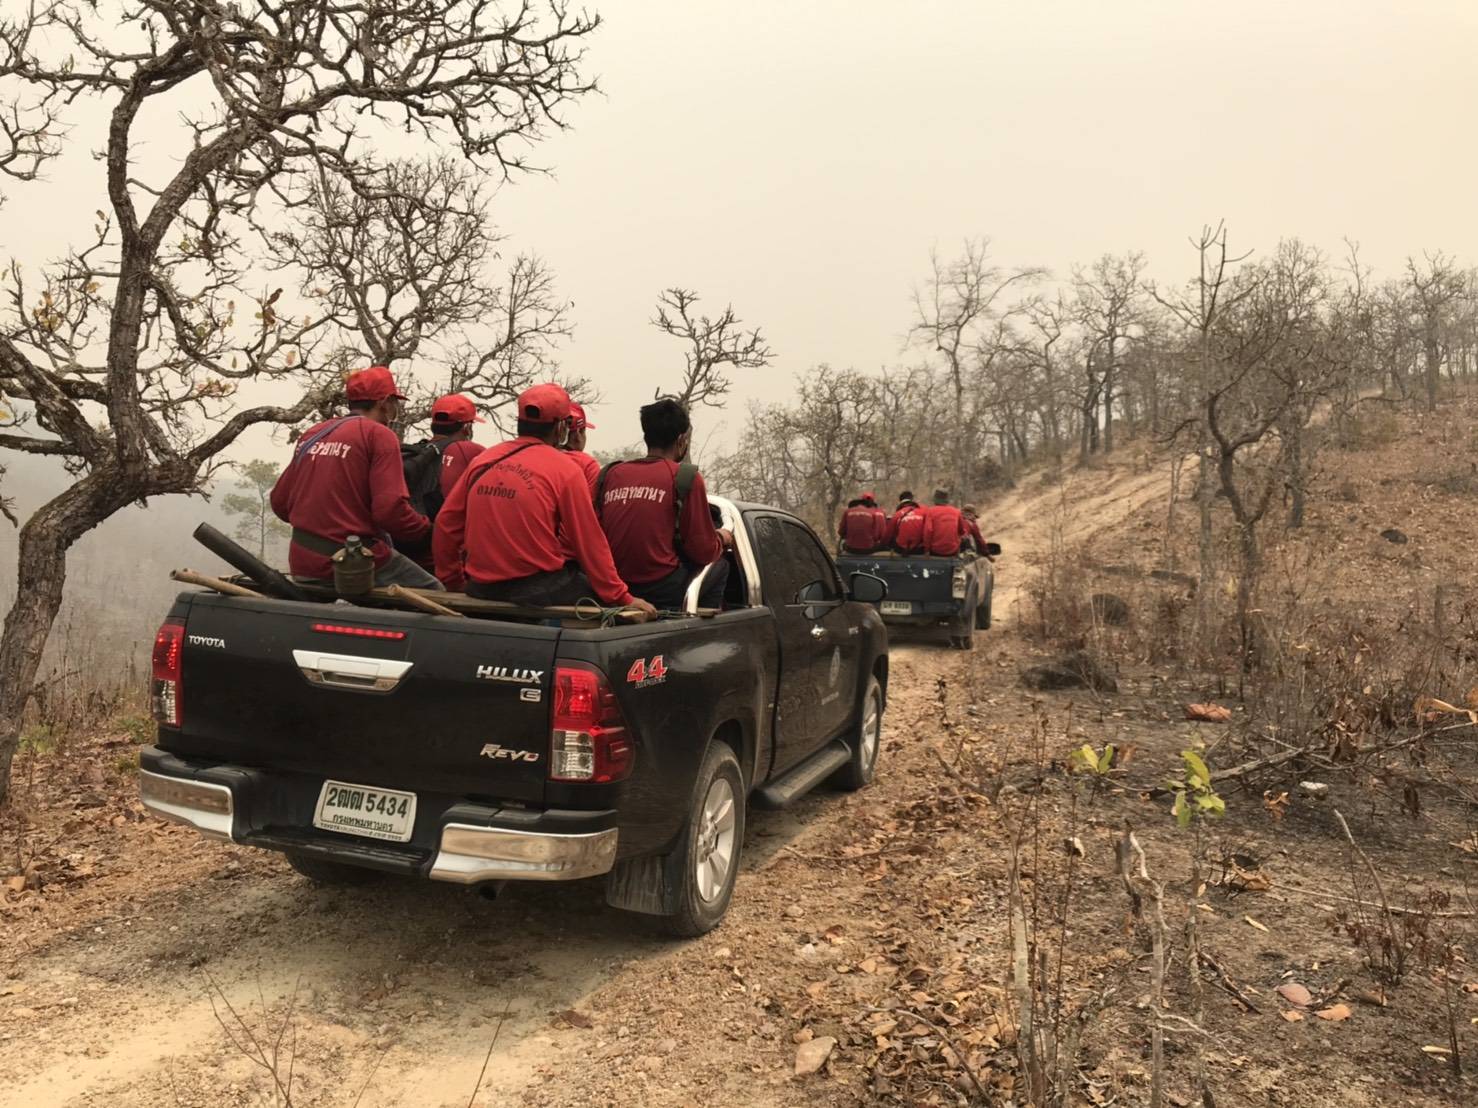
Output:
x=422 y=462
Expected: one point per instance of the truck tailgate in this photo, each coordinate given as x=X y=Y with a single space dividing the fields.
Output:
x=391 y=699
x=917 y=579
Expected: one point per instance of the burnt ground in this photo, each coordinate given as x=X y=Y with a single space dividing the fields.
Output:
x=148 y=964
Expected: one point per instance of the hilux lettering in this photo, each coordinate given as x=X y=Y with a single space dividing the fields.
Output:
x=509 y=674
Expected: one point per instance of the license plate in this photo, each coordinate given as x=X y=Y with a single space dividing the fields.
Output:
x=897 y=607
x=361 y=810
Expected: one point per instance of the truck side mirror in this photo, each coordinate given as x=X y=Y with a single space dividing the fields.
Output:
x=992 y=550
x=865 y=588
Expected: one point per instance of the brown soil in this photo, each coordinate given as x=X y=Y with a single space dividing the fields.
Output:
x=857 y=917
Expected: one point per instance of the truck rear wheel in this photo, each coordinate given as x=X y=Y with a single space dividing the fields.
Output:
x=983 y=613
x=866 y=742
x=323 y=872
x=706 y=863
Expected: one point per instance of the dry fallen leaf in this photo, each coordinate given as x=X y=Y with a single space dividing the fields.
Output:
x=811 y=1056
x=1334 y=1013
x=1261 y=927
x=1295 y=994
x=576 y=1019
x=1436 y=1050
x=1208 y=713
x=815 y=989
x=1292 y=1015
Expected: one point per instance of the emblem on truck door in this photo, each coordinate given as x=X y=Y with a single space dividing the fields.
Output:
x=510 y=675
x=493 y=750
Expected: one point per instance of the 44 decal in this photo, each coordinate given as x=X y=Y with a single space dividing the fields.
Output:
x=644 y=672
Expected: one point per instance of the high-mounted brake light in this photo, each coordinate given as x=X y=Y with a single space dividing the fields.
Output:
x=169 y=646
x=362 y=632
x=588 y=738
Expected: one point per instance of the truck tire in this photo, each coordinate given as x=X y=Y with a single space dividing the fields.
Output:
x=866 y=742
x=323 y=872
x=983 y=613
x=706 y=862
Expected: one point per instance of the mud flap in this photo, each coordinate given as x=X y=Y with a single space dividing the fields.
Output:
x=646 y=885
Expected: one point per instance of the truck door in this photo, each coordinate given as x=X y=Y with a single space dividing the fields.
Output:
x=831 y=633
x=802 y=589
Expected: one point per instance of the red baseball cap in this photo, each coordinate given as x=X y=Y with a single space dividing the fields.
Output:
x=869 y=496
x=455 y=408
x=578 y=414
x=373 y=384
x=544 y=404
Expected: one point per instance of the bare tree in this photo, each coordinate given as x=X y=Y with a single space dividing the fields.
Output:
x=1200 y=309
x=955 y=315
x=1438 y=287
x=1107 y=297
x=405 y=273
x=714 y=347
x=124 y=359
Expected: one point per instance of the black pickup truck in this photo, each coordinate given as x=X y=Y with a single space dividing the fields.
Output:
x=356 y=739
x=950 y=595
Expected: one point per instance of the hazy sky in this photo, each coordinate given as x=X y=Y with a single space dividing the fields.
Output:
x=800 y=159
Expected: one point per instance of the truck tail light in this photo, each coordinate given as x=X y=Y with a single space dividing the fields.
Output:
x=169 y=648
x=958 y=584
x=588 y=737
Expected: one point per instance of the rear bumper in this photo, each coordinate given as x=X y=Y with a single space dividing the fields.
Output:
x=461 y=842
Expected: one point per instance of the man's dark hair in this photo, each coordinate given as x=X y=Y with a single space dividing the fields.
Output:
x=906 y=494
x=361 y=405
x=440 y=428
x=535 y=430
x=663 y=422
x=941 y=496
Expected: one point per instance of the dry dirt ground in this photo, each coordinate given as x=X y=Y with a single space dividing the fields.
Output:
x=151 y=967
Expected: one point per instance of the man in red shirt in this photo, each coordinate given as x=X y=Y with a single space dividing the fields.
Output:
x=520 y=526
x=972 y=525
x=906 y=528
x=655 y=513
x=575 y=446
x=345 y=479
x=944 y=526
x=433 y=466
x=452 y=418
x=864 y=527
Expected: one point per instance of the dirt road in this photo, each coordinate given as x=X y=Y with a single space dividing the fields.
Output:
x=187 y=958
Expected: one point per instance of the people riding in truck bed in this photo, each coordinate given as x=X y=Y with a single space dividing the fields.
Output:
x=655 y=514
x=575 y=445
x=520 y=526
x=434 y=465
x=346 y=478
x=864 y=526
x=945 y=526
x=906 y=528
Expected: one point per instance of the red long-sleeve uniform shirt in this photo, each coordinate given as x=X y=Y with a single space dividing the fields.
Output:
x=639 y=514
x=863 y=529
x=350 y=482
x=906 y=528
x=529 y=512
x=588 y=466
x=944 y=527
x=454 y=462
